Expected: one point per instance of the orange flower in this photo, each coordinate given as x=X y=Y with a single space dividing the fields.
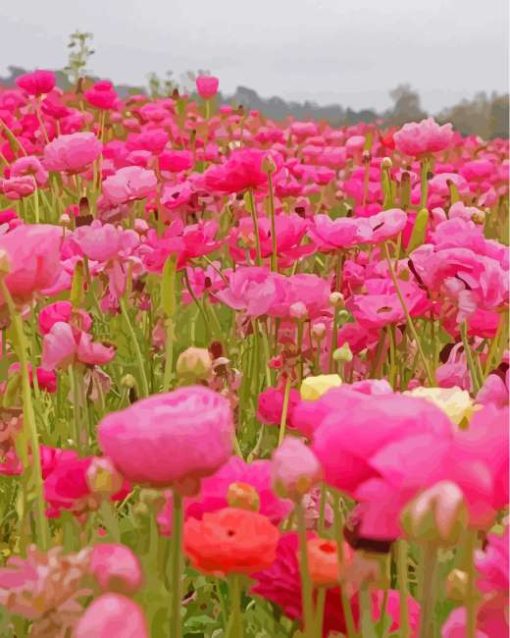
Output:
x=230 y=540
x=323 y=561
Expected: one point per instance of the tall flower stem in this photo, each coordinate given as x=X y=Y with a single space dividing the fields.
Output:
x=471 y=585
x=425 y=163
x=476 y=381
x=410 y=324
x=235 y=628
x=428 y=590
x=338 y=524
x=144 y=389
x=29 y=423
x=403 y=589
x=367 y=623
x=285 y=409
x=306 y=583
x=176 y=565
x=274 y=245
x=255 y=219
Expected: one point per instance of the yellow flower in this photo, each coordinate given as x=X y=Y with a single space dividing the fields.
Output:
x=312 y=388
x=456 y=403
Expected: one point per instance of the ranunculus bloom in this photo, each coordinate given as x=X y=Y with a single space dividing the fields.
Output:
x=207 y=86
x=312 y=388
x=167 y=438
x=116 y=568
x=64 y=345
x=294 y=469
x=102 y=95
x=243 y=170
x=62 y=311
x=112 y=615
x=270 y=406
x=72 y=153
x=37 y=82
x=102 y=242
x=417 y=139
x=129 y=184
x=33 y=257
x=230 y=541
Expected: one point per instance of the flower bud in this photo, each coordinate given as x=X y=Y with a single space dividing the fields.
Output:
x=319 y=331
x=268 y=164
x=437 y=515
x=298 y=310
x=386 y=163
x=65 y=220
x=295 y=469
x=323 y=563
x=152 y=498
x=312 y=388
x=194 y=364
x=103 y=478
x=128 y=381
x=456 y=585
x=336 y=299
x=243 y=496
x=344 y=353
x=478 y=217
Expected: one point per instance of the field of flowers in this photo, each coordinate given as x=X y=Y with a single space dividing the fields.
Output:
x=254 y=375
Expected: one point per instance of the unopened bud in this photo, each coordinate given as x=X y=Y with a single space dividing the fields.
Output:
x=312 y=388
x=65 y=220
x=103 y=478
x=128 y=381
x=194 y=364
x=344 y=353
x=298 y=310
x=456 y=585
x=438 y=515
x=319 y=331
x=243 y=496
x=268 y=164
x=386 y=163
x=366 y=157
x=336 y=299
x=478 y=217
x=153 y=499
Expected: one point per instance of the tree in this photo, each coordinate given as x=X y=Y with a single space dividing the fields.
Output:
x=407 y=107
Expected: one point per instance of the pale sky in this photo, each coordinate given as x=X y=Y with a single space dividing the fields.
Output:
x=350 y=52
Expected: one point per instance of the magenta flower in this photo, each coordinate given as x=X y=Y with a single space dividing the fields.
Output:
x=102 y=95
x=207 y=86
x=71 y=153
x=37 y=82
x=112 y=615
x=192 y=425
x=423 y=138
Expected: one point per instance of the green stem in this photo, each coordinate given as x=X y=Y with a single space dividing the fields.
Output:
x=334 y=340
x=255 y=219
x=285 y=409
x=274 y=253
x=177 y=565
x=410 y=324
x=424 y=182
x=473 y=370
x=403 y=588
x=367 y=623
x=144 y=389
x=29 y=423
x=319 y=611
x=428 y=591
x=169 y=353
x=306 y=583
x=235 y=628
x=471 y=585
x=338 y=527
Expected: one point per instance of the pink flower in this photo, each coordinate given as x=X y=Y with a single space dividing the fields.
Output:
x=340 y=441
x=37 y=82
x=129 y=184
x=72 y=153
x=62 y=311
x=243 y=170
x=193 y=426
x=175 y=161
x=64 y=345
x=102 y=242
x=18 y=187
x=270 y=406
x=46 y=379
x=30 y=166
x=102 y=95
x=423 y=138
x=495 y=390
x=294 y=469
x=116 y=568
x=33 y=258
x=112 y=615
x=207 y=86
x=214 y=491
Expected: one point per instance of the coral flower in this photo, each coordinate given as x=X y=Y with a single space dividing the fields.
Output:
x=323 y=561
x=167 y=438
x=230 y=541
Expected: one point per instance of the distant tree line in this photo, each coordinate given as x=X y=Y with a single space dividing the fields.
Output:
x=484 y=115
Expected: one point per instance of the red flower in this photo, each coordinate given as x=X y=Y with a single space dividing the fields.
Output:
x=230 y=541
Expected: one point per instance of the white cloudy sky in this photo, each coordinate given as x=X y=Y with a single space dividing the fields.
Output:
x=346 y=51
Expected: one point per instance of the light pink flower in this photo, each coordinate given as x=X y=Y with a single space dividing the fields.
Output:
x=72 y=153
x=294 y=469
x=423 y=138
x=112 y=615
x=129 y=184
x=116 y=568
